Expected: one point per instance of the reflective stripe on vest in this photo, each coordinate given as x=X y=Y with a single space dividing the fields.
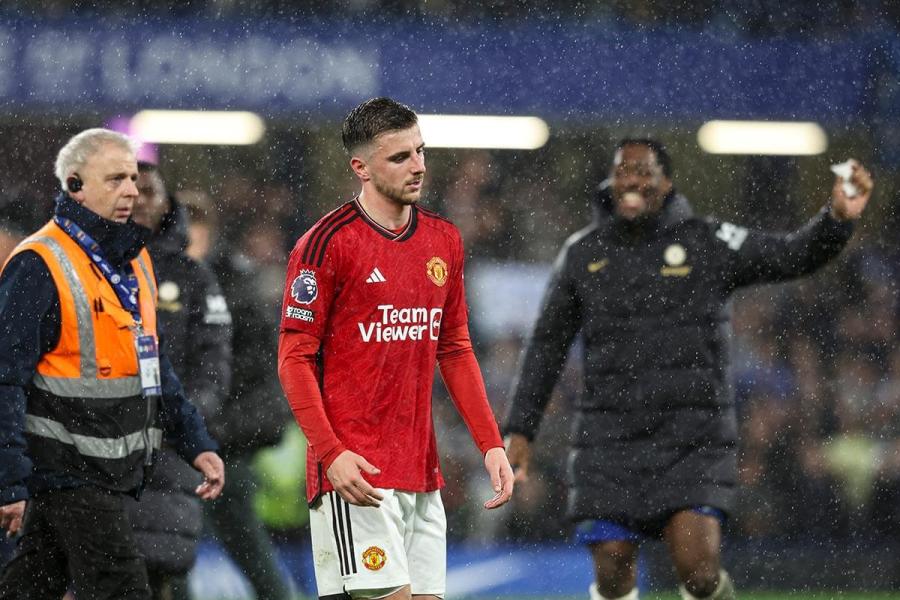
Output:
x=88 y=388
x=86 y=342
x=109 y=448
x=150 y=279
x=87 y=385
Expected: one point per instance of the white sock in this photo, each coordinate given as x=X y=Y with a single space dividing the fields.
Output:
x=724 y=591
x=595 y=595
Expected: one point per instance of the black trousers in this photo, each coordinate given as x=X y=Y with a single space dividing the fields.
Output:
x=78 y=537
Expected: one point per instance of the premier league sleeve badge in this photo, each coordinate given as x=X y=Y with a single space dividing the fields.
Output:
x=305 y=289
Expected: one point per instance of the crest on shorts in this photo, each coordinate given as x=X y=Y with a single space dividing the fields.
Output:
x=374 y=558
x=305 y=289
x=436 y=269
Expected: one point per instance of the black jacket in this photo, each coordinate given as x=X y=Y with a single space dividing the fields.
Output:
x=168 y=520
x=255 y=413
x=192 y=311
x=195 y=317
x=30 y=327
x=655 y=429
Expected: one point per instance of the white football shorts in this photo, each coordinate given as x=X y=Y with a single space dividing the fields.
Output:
x=402 y=542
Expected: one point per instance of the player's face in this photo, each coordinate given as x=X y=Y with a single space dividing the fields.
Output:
x=109 y=178
x=638 y=182
x=396 y=166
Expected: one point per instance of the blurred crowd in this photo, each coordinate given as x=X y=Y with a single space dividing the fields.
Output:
x=756 y=17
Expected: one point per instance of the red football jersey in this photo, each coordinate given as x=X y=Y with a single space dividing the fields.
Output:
x=377 y=300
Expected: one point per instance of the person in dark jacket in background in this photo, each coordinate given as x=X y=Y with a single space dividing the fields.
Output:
x=168 y=519
x=252 y=417
x=654 y=432
x=86 y=389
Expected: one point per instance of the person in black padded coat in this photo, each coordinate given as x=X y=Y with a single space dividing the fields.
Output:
x=647 y=286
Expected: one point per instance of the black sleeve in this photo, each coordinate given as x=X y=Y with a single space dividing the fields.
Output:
x=753 y=256
x=207 y=368
x=29 y=327
x=545 y=353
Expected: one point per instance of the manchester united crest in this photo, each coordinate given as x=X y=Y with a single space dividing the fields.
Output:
x=436 y=269
x=374 y=558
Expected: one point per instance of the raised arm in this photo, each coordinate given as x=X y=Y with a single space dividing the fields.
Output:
x=753 y=256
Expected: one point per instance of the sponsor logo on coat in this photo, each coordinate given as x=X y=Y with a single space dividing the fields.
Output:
x=436 y=269
x=374 y=558
x=217 y=312
x=305 y=289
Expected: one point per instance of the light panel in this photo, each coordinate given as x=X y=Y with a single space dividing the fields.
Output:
x=223 y=128
x=763 y=138
x=471 y=131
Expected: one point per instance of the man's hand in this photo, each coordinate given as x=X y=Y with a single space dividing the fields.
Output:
x=344 y=474
x=497 y=466
x=844 y=208
x=210 y=466
x=11 y=517
x=519 y=451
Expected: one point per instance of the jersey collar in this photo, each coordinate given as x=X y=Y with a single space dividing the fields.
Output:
x=400 y=236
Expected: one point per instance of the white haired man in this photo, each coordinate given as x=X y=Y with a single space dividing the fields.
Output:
x=85 y=394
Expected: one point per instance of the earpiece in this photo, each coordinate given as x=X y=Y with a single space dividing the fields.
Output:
x=74 y=183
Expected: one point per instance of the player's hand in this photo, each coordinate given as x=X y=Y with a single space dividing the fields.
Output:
x=11 y=517
x=518 y=449
x=345 y=474
x=213 y=470
x=502 y=477
x=844 y=208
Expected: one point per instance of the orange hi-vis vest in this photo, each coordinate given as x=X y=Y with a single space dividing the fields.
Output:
x=86 y=414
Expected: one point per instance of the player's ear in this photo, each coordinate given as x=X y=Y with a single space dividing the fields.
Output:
x=360 y=168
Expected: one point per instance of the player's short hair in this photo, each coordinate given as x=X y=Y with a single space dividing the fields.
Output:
x=658 y=148
x=372 y=118
x=75 y=154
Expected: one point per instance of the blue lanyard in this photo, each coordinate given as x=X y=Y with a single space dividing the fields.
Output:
x=126 y=287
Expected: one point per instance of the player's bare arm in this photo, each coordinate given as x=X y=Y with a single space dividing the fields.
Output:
x=518 y=449
x=502 y=478
x=345 y=474
x=850 y=208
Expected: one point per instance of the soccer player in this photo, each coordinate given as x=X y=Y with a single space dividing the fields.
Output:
x=374 y=297
x=655 y=433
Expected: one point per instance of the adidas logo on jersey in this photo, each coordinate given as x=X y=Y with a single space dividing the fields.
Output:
x=376 y=277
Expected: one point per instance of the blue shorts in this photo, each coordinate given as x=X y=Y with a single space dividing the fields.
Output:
x=595 y=531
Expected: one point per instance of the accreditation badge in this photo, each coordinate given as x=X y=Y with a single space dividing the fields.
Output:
x=148 y=361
